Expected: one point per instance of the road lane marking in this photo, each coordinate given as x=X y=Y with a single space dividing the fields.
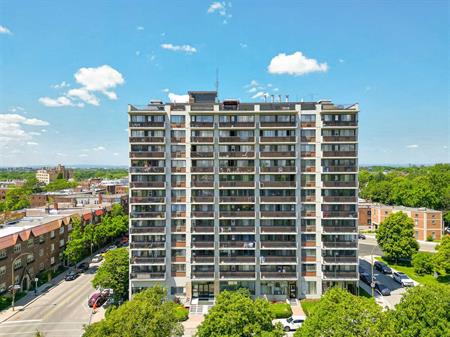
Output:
x=21 y=322
x=34 y=332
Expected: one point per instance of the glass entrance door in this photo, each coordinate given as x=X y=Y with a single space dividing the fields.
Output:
x=203 y=291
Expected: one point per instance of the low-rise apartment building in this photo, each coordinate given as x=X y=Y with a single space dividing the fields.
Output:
x=428 y=222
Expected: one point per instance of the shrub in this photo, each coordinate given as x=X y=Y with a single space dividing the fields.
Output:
x=280 y=310
x=430 y=238
x=422 y=263
x=308 y=306
x=181 y=313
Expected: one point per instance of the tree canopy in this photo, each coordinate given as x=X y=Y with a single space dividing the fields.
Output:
x=441 y=259
x=148 y=314
x=236 y=314
x=395 y=237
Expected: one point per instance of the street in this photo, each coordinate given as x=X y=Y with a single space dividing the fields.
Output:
x=61 y=312
x=370 y=241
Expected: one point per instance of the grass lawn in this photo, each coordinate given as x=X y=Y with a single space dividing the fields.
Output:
x=425 y=279
x=308 y=306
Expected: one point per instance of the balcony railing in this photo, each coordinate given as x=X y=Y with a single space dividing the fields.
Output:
x=158 y=215
x=340 y=123
x=340 y=259
x=339 y=183
x=340 y=244
x=202 y=274
x=340 y=169
x=237 y=125
x=202 y=244
x=339 y=154
x=311 y=243
x=148 y=245
x=237 y=259
x=143 y=230
x=232 y=154
x=308 y=169
x=148 y=260
x=237 y=214
x=237 y=229
x=146 y=139
x=178 y=214
x=308 y=154
x=178 y=199
x=178 y=169
x=237 y=199
x=237 y=274
x=147 y=169
x=203 y=259
x=146 y=124
x=277 y=199
x=146 y=276
x=278 y=244
x=339 y=199
x=308 y=213
x=146 y=200
x=279 y=169
x=202 y=154
x=286 y=139
x=179 y=154
x=236 y=139
x=266 y=184
x=278 y=229
x=308 y=183
x=306 y=139
x=198 y=169
x=278 y=214
x=278 y=275
x=209 y=199
x=178 y=184
x=202 y=139
x=202 y=124
x=340 y=229
x=278 y=259
x=178 y=229
x=241 y=169
x=308 y=229
x=237 y=244
x=237 y=183
x=178 y=139
x=278 y=124
x=340 y=275
x=202 y=183
x=308 y=124
x=202 y=214
x=339 y=138
x=309 y=273
x=342 y=214
x=202 y=229
x=308 y=198
x=178 y=125
x=277 y=154
x=139 y=154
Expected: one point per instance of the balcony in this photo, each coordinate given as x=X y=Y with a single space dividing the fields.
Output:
x=237 y=274
x=340 y=259
x=327 y=154
x=234 y=169
x=339 y=138
x=286 y=139
x=237 y=183
x=307 y=154
x=305 y=139
x=148 y=260
x=339 y=123
x=202 y=124
x=237 y=139
x=179 y=244
x=237 y=229
x=203 y=259
x=340 y=229
x=308 y=213
x=178 y=139
x=148 y=245
x=308 y=198
x=278 y=244
x=158 y=215
x=202 y=274
x=308 y=273
x=199 y=214
x=178 y=214
x=308 y=169
x=309 y=258
x=339 y=183
x=154 y=169
x=333 y=244
x=146 y=124
x=143 y=230
x=202 y=183
x=342 y=214
x=308 y=229
x=277 y=199
x=139 y=154
x=179 y=154
x=277 y=154
x=311 y=243
x=237 y=199
x=146 y=200
x=237 y=125
x=237 y=259
x=278 y=124
x=278 y=214
x=308 y=183
x=340 y=169
x=232 y=154
x=178 y=229
x=178 y=199
x=339 y=199
x=202 y=154
x=278 y=275
x=148 y=276
x=237 y=214
x=197 y=169
x=178 y=184
x=267 y=184
x=279 y=169
x=278 y=229
x=209 y=199
x=202 y=139
x=308 y=124
x=146 y=139
x=177 y=125
x=340 y=275
x=237 y=244
x=278 y=259
x=202 y=244
x=202 y=229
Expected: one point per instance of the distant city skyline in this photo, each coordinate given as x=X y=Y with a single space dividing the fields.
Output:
x=68 y=70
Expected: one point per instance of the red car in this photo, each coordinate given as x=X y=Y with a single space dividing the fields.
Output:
x=97 y=298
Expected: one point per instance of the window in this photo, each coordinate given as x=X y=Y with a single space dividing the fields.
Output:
x=30 y=258
x=177 y=291
x=52 y=247
x=2 y=253
x=61 y=230
x=2 y=287
x=17 y=248
x=69 y=227
x=52 y=234
x=2 y=271
x=61 y=243
x=41 y=266
x=41 y=239
x=52 y=260
x=30 y=242
x=18 y=264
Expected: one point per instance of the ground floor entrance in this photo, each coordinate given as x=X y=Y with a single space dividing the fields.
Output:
x=203 y=290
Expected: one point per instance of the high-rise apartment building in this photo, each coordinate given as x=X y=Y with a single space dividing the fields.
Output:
x=255 y=195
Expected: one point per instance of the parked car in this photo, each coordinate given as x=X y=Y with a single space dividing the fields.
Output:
x=385 y=291
x=383 y=267
x=403 y=279
x=97 y=258
x=365 y=277
x=71 y=275
x=361 y=236
x=83 y=266
x=291 y=323
x=97 y=298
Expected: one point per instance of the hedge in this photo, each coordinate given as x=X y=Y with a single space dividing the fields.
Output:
x=280 y=310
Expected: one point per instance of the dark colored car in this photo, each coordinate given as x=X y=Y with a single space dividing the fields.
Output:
x=365 y=277
x=98 y=298
x=71 y=275
x=361 y=236
x=83 y=266
x=385 y=291
x=383 y=267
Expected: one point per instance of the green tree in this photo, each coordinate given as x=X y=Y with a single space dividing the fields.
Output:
x=113 y=273
x=76 y=246
x=341 y=314
x=424 y=311
x=235 y=314
x=116 y=210
x=441 y=259
x=422 y=263
x=148 y=314
x=395 y=237
x=59 y=184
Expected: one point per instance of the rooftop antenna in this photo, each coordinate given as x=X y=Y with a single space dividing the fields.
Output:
x=217 y=82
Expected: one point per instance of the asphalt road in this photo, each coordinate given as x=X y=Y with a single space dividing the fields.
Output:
x=61 y=312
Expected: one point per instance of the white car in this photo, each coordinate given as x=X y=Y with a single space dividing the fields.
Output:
x=97 y=258
x=291 y=323
x=403 y=279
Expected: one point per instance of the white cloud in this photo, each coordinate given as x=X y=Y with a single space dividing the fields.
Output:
x=216 y=6
x=140 y=28
x=252 y=90
x=63 y=84
x=188 y=49
x=115 y=154
x=174 y=98
x=295 y=64
x=412 y=146
x=84 y=95
x=32 y=143
x=260 y=94
x=55 y=102
x=33 y=133
x=35 y=122
x=13 y=128
x=17 y=109
x=43 y=130
x=166 y=90
x=99 y=148
x=220 y=8
x=4 y=30
x=83 y=155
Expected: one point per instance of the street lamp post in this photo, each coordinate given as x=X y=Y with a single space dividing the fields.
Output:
x=372 y=283
x=13 y=280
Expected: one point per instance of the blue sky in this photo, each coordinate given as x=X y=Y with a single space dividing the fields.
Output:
x=68 y=69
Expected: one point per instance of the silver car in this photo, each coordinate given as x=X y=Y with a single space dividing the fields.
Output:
x=403 y=279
